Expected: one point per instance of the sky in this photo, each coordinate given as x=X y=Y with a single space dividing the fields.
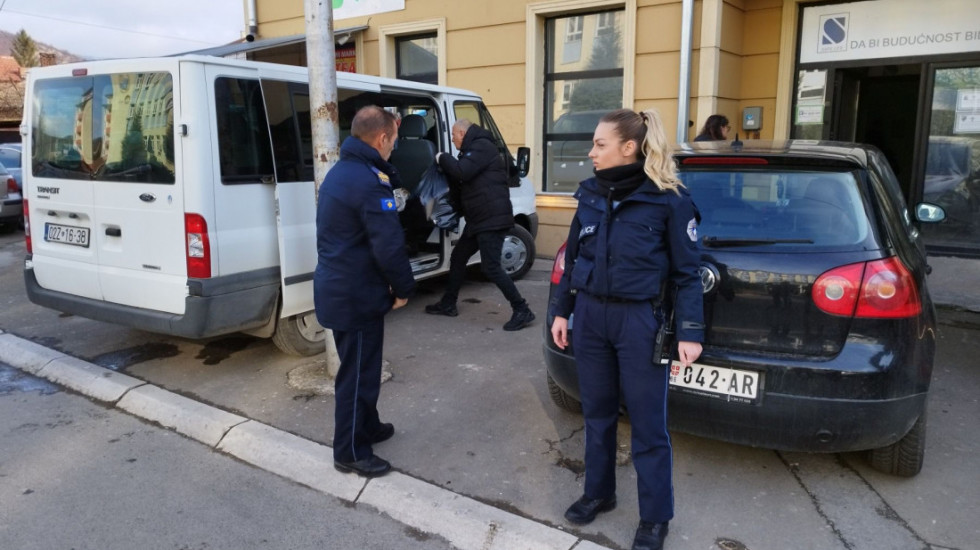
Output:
x=125 y=28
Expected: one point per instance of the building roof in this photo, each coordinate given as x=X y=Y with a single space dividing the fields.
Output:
x=10 y=70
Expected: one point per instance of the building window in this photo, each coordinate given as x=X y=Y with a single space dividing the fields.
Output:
x=584 y=80
x=417 y=58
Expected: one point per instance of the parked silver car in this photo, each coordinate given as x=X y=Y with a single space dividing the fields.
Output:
x=10 y=157
x=11 y=201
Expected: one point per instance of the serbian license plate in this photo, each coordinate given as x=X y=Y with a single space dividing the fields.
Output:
x=735 y=385
x=66 y=234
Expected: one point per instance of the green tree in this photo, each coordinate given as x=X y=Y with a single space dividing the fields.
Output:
x=604 y=93
x=133 y=148
x=24 y=50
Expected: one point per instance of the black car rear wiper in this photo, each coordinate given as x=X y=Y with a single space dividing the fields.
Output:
x=722 y=241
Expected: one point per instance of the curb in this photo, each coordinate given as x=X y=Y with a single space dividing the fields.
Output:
x=465 y=522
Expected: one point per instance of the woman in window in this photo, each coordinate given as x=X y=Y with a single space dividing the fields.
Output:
x=714 y=129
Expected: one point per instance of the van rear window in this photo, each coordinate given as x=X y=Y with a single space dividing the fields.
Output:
x=116 y=127
x=781 y=208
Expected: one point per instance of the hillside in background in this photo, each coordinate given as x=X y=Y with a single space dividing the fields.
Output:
x=7 y=40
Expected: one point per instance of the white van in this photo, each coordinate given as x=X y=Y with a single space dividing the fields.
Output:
x=176 y=195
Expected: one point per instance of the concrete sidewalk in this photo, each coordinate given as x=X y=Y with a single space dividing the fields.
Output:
x=463 y=521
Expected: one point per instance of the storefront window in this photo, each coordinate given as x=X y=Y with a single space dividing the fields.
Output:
x=584 y=80
x=952 y=175
x=811 y=101
x=417 y=58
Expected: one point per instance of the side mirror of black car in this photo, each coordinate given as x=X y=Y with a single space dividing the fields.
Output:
x=523 y=160
x=929 y=213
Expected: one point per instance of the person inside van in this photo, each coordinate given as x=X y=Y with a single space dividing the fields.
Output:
x=484 y=196
x=715 y=128
x=362 y=273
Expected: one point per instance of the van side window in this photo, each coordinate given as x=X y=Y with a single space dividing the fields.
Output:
x=244 y=151
x=117 y=127
x=288 y=108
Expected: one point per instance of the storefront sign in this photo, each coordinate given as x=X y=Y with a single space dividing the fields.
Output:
x=809 y=114
x=346 y=58
x=345 y=9
x=888 y=28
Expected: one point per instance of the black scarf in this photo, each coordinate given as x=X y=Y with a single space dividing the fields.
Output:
x=618 y=182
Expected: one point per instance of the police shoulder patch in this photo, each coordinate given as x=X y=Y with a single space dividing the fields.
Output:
x=692 y=229
x=388 y=205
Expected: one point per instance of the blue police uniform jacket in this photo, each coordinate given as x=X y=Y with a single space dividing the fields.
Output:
x=627 y=253
x=362 y=264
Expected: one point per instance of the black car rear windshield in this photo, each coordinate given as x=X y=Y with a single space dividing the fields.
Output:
x=777 y=208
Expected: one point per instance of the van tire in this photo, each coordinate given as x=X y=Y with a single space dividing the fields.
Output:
x=517 y=255
x=300 y=335
x=904 y=457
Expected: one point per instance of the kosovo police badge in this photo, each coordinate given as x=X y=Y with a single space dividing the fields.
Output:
x=388 y=205
x=692 y=229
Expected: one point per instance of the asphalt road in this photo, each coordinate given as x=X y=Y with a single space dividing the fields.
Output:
x=473 y=415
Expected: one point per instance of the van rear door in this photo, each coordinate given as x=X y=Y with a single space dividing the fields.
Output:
x=104 y=196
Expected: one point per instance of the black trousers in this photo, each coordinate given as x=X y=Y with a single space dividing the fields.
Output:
x=490 y=244
x=357 y=387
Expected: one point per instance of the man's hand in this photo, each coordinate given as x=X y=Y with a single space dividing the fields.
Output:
x=399 y=302
x=559 y=332
x=688 y=352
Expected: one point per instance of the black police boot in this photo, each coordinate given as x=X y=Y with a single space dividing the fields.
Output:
x=522 y=317
x=585 y=509
x=650 y=536
x=443 y=307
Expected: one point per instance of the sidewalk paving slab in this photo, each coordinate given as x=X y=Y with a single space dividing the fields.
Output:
x=26 y=355
x=88 y=379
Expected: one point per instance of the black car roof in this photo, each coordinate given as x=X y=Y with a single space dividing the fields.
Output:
x=784 y=150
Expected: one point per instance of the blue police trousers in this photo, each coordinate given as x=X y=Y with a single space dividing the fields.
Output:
x=358 y=385
x=614 y=344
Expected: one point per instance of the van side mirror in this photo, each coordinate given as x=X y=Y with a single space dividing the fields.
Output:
x=523 y=160
x=929 y=213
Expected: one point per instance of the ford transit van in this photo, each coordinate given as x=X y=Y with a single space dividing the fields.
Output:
x=176 y=195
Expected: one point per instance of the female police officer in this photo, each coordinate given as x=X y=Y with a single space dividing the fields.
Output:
x=635 y=227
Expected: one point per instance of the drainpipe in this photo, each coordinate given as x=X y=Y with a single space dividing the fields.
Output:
x=253 y=26
x=684 y=80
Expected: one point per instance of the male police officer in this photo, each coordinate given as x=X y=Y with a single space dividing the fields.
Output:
x=362 y=272
x=484 y=195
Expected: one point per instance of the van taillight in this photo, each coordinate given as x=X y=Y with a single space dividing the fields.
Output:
x=878 y=289
x=198 y=247
x=559 y=268
x=27 y=229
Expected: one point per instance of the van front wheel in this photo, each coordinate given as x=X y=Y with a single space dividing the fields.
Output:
x=517 y=255
x=300 y=335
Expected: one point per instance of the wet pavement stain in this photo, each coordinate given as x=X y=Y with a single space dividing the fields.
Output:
x=13 y=380
x=217 y=351
x=122 y=359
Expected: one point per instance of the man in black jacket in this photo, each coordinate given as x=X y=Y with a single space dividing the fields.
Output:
x=484 y=196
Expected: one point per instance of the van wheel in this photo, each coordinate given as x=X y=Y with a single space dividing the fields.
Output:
x=300 y=335
x=561 y=397
x=517 y=256
x=904 y=457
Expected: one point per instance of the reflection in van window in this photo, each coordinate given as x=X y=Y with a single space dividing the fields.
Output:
x=117 y=127
x=244 y=152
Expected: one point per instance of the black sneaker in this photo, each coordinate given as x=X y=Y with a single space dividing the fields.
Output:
x=442 y=308
x=520 y=319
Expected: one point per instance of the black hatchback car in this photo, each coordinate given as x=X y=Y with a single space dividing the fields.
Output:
x=820 y=331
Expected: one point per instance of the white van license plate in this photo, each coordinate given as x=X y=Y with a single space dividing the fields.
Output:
x=66 y=234
x=738 y=386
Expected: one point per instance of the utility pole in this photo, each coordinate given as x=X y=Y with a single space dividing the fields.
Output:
x=321 y=61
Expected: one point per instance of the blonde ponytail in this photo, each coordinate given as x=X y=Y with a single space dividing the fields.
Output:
x=658 y=161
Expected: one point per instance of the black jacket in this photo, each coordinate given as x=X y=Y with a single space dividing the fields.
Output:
x=481 y=177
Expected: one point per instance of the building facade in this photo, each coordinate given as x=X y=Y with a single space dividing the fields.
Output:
x=901 y=74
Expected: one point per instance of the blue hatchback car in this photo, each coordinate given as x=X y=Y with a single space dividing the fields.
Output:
x=820 y=331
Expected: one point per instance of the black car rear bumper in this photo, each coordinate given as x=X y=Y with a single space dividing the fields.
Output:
x=777 y=421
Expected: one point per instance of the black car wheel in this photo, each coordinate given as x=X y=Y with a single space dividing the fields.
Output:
x=904 y=457
x=561 y=398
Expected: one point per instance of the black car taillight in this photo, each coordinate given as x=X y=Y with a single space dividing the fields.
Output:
x=558 y=269
x=12 y=185
x=877 y=289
